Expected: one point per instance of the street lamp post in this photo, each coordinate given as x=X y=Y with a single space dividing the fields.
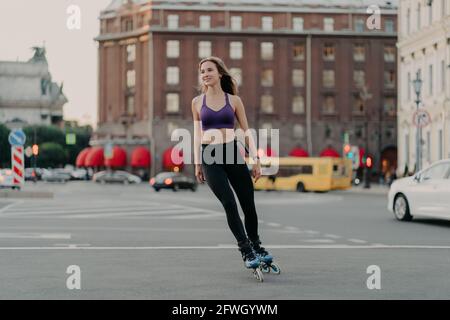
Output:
x=417 y=84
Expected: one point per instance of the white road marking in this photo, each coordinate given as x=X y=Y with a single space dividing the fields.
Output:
x=337 y=246
x=319 y=241
x=332 y=236
x=25 y=235
x=311 y=232
x=291 y=228
x=356 y=241
x=273 y=224
x=5 y=208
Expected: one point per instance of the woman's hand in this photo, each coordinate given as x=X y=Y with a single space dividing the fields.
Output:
x=256 y=170
x=199 y=174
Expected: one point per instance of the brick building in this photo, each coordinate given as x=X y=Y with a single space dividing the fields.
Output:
x=300 y=65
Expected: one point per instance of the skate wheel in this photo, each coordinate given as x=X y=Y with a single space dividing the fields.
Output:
x=258 y=275
x=265 y=268
x=275 y=268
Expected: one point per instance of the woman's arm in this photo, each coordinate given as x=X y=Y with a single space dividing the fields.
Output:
x=243 y=123
x=197 y=132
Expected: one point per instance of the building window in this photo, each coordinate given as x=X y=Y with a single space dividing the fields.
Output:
x=267 y=103
x=408 y=21
x=131 y=79
x=267 y=78
x=130 y=105
x=328 y=106
x=359 y=52
x=236 y=73
x=236 y=50
x=328 y=52
x=173 y=49
x=328 y=78
x=298 y=78
x=172 y=21
x=358 y=106
x=131 y=53
x=440 y=149
x=409 y=85
x=406 y=149
x=359 y=25
x=389 y=79
x=430 y=79
x=389 y=107
x=267 y=23
x=430 y=13
x=266 y=50
x=328 y=24
x=173 y=75
x=299 y=52
x=127 y=25
x=419 y=12
x=298 y=105
x=236 y=23
x=297 y=24
x=443 y=8
x=443 y=80
x=266 y=128
x=172 y=102
x=389 y=54
x=205 y=22
x=359 y=78
x=204 y=49
x=389 y=25
x=298 y=131
x=171 y=127
x=429 y=146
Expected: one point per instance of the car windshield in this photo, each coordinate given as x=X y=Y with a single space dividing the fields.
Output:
x=438 y=171
x=166 y=175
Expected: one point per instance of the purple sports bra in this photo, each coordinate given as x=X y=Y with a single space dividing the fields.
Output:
x=223 y=118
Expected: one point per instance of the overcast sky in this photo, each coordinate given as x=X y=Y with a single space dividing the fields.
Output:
x=72 y=54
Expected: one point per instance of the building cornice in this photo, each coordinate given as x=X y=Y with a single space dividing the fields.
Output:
x=319 y=33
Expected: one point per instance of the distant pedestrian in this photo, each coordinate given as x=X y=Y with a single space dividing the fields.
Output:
x=216 y=108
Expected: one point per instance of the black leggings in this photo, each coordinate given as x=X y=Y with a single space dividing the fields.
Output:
x=235 y=170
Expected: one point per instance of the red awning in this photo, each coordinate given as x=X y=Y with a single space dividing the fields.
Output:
x=172 y=158
x=95 y=157
x=330 y=152
x=119 y=159
x=298 y=152
x=81 y=158
x=140 y=158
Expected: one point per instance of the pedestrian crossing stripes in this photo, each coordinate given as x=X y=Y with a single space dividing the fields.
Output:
x=105 y=209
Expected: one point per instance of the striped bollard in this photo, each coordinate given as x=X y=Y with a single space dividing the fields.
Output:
x=17 y=161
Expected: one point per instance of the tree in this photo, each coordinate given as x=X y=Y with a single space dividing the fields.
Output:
x=52 y=155
x=5 y=148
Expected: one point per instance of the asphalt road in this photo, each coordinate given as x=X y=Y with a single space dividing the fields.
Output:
x=130 y=242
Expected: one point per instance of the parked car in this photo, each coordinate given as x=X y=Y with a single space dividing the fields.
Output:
x=173 y=180
x=116 y=177
x=79 y=174
x=32 y=174
x=7 y=179
x=55 y=175
x=425 y=194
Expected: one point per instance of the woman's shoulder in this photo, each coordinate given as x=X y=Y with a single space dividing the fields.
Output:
x=198 y=98
x=234 y=99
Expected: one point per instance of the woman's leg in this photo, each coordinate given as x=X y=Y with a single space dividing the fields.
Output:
x=242 y=184
x=216 y=178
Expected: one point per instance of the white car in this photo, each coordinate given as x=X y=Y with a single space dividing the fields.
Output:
x=426 y=194
x=7 y=179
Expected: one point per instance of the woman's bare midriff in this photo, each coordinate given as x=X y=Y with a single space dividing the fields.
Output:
x=217 y=136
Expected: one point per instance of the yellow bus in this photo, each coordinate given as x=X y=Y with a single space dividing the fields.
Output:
x=306 y=174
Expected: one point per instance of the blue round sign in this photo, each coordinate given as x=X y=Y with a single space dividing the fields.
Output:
x=17 y=138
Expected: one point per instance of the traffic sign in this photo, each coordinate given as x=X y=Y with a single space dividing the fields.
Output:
x=108 y=151
x=17 y=137
x=421 y=118
x=71 y=138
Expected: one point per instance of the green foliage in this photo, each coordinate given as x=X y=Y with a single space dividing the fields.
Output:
x=53 y=151
x=5 y=148
x=51 y=155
